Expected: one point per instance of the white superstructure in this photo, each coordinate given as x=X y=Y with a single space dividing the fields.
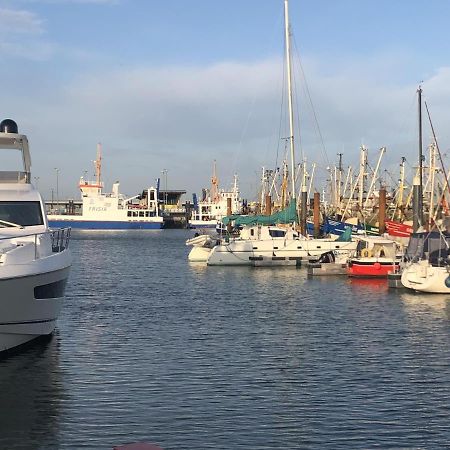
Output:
x=34 y=261
x=214 y=207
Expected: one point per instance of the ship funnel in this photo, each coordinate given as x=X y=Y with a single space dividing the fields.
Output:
x=9 y=126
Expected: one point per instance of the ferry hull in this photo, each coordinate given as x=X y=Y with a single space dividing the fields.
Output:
x=105 y=225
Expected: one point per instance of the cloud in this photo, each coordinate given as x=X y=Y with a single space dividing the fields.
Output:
x=14 y=21
x=182 y=118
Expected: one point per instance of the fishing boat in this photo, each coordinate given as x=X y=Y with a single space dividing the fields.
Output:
x=375 y=257
x=214 y=205
x=34 y=261
x=398 y=229
x=111 y=211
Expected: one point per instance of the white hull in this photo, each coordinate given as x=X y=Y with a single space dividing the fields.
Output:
x=423 y=277
x=199 y=254
x=278 y=251
x=24 y=317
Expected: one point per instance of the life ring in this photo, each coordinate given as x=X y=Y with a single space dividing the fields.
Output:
x=366 y=253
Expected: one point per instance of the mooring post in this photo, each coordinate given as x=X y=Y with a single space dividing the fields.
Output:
x=316 y=213
x=382 y=211
x=268 y=205
x=229 y=213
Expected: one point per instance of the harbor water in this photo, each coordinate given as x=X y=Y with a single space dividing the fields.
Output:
x=151 y=348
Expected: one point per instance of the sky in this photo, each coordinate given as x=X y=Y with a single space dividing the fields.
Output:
x=176 y=84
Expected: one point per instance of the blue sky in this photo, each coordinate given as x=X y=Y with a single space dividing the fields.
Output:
x=175 y=84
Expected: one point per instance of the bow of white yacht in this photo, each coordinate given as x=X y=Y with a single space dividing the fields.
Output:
x=34 y=260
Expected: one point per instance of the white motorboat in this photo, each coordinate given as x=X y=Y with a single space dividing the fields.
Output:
x=34 y=260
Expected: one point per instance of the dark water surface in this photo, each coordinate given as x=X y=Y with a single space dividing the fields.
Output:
x=152 y=348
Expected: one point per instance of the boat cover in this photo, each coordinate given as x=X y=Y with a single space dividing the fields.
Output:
x=287 y=215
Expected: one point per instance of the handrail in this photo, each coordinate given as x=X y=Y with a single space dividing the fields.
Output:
x=60 y=238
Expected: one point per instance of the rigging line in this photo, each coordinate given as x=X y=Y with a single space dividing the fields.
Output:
x=297 y=108
x=316 y=121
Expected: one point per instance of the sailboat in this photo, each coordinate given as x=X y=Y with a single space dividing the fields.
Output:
x=261 y=241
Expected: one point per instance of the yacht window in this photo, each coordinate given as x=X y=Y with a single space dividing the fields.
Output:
x=252 y=232
x=277 y=233
x=141 y=213
x=129 y=213
x=21 y=213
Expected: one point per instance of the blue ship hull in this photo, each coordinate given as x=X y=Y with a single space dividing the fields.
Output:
x=104 y=225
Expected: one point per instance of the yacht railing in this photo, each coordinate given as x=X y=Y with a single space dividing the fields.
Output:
x=60 y=239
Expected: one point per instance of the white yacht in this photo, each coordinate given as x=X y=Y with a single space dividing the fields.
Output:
x=34 y=261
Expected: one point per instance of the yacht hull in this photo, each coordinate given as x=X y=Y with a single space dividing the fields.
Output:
x=30 y=306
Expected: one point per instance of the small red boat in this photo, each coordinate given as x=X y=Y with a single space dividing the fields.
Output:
x=375 y=257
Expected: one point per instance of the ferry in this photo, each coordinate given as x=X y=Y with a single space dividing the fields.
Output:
x=111 y=211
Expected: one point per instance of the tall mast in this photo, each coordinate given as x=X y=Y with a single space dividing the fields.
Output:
x=289 y=79
x=420 y=203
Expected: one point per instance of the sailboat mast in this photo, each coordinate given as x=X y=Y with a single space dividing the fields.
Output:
x=289 y=80
x=420 y=203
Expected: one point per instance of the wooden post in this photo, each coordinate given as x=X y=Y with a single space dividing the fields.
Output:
x=316 y=213
x=303 y=206
x=268 y=205
x=382 y=210
x=229 y=213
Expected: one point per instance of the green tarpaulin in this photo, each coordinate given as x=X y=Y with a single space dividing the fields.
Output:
x=288 y=215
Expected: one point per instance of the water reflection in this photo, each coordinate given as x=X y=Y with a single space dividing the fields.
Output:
x=438 y=304
x=30 y=396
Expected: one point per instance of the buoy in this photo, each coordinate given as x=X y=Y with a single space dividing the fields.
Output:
x=377 y=266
